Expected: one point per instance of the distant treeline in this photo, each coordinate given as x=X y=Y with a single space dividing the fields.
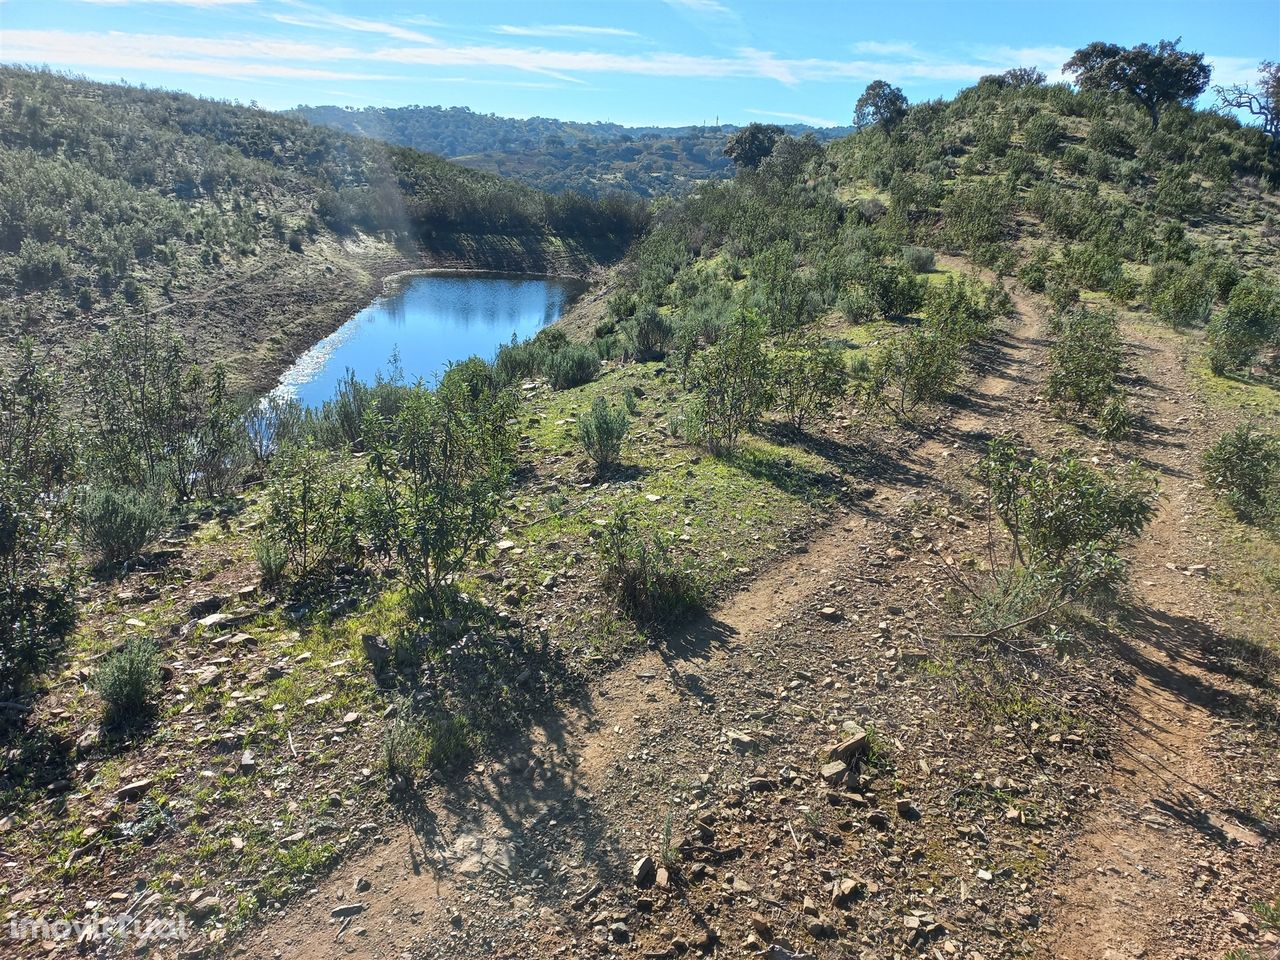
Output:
x=553 y=155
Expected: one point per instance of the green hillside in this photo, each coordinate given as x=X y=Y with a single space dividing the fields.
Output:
x=242 y=224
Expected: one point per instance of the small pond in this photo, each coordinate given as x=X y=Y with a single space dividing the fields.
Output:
x=428 y=321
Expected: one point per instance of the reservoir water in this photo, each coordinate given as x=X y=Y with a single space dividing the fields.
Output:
x=428 y=321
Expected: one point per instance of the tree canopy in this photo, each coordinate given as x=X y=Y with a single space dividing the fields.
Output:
x=1156 y=76
x=881 y=105
x=749 y=147
x=1263 y=101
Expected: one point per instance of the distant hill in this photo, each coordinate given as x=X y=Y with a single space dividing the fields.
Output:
x=554 y=155
x=254 y=230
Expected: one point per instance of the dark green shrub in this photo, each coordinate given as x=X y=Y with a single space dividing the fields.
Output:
x=437 y=473
x=808 y=378
x=958 y=309
x=1085 y=359
x=641 y=575
x=572 y=366
x=311 y=512
x=1244 y=467
x=1251 y=318
x=1065 y=517
x=117 y=522
x=1183 y=298
x=1043 y=133
x=128 y=682
x=651 y=331
x=730 y=381
x=601 y=432
x=920 y=366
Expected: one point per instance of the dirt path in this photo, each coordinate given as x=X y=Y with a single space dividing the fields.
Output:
x=1164 y=861
x=567 y=808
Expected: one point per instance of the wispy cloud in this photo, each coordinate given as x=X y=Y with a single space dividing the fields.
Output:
x=173 y=3
x=883 y=48
x=797 y=117
x=704 y=7
x=562 y=30
x=204 y=56
x=318 y=18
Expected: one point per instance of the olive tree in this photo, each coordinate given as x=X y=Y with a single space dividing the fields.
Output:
x=881 y=105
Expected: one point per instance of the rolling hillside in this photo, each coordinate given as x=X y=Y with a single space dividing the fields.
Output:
x=257 y=232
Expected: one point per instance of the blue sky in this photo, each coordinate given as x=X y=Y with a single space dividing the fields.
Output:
x=629 y=61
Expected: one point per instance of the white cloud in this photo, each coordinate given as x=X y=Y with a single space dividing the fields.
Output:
x=797 y=117
x=881 y=48
x=174 y=3
x=705 y=7
x=562 y=30
x=317 y=18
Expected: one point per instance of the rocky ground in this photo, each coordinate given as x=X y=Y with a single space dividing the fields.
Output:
x=819 y=769
x=827 y=764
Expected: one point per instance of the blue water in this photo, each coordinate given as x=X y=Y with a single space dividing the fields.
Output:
x=430 y=322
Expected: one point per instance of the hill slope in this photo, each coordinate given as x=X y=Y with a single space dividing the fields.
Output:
x=845 y=681
x=555 y=155
x=256 y=231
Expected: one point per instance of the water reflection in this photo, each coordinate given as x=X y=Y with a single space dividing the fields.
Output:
x=430 y=321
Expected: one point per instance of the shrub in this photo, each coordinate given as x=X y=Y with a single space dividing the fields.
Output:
x=921 y=366
x=892 y=291
x=128 y=681
x=918 y=259
x=1085 y=360
x=651 y=331
x=1115 y=422
x=1251 y=318
x=269 y=426
x=438 y=471
x=1043 y=133
x=310 y=512
x=601 y=432
x=1065 y=517
x=37 y=458
x=731 y=383
x=643 y=578
x=272 y=558
x=571 y=366
x=1183 y=299
x=807 y=379
x=117 y=522
x=956 y=308
x=1244 y=467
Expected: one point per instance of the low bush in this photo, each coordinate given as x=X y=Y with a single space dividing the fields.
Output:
x=1243 y=466
x=601 y=432
x=1085 y=359
x=808 y=378
x=571 y=366
x=920 y=366
x=643 y=577
x=128 y=682
x=918 y=259
x=117 y=522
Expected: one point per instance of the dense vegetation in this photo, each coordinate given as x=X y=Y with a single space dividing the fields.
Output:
x=863 y=280
x=554 y=155
x=114 y=198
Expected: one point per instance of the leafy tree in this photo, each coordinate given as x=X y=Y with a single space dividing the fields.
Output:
x=808 y=378
x=1156 y=76
x=881 y=105
x=1262 y=101
x=731 y=383
x=920 y=366
x=749 y=147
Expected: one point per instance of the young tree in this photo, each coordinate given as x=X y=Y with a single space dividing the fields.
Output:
x=1263 y=101
x=881 y=105
x=439 y=469
x=1156 y=76
x=749 y=147
x=731 y=380
x=808 y=378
